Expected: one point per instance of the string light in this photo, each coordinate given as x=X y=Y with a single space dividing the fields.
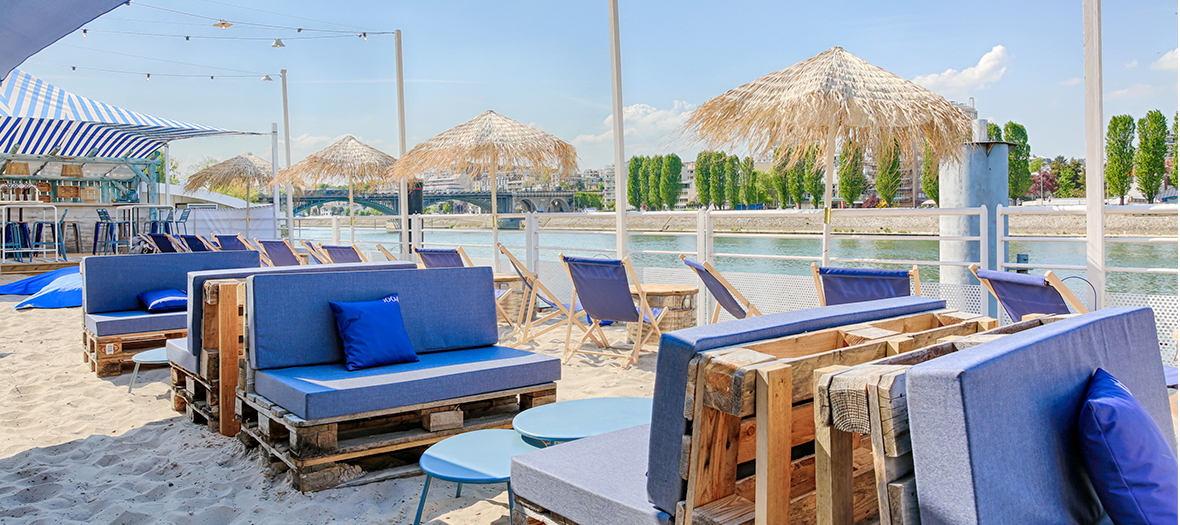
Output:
x=222 y=24
x=220 y=37
x=221 y=21
x=278 y=43
x=148 y=76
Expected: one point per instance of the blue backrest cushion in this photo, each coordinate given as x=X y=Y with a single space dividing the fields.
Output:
x=196 y=287
x=161 y=301
x=112 y=283
x=1008 y=410
x=664 y=486
x=373 y=333
x=443 y=309
x=853 y=285
x=1130 y=463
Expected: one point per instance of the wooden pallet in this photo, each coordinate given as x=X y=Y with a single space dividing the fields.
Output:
x=323 y=453
x=870 y=399
x=753 y=402
x=106 y=354
x=223 y=329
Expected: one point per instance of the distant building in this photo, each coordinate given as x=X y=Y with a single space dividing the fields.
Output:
x=608 y=183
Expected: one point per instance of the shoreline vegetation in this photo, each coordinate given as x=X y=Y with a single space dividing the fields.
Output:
x=1040 y=226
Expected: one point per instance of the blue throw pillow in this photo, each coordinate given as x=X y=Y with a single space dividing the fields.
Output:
x=160 y=301
x=1130 y=463
x=373 y=333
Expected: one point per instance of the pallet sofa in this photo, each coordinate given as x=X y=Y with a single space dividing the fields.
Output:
x=199 y=369
x=696 y=455
x=299 y=403
x=115 y=324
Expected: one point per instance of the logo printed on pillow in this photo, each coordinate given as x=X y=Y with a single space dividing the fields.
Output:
x=392 y=299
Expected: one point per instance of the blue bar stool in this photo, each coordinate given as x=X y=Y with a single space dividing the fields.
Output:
x=182 y=221
x=39 y=236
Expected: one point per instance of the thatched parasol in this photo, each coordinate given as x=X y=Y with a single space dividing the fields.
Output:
x=348 y=159
x=487 y=142
x=829 y=99
x=244 y=170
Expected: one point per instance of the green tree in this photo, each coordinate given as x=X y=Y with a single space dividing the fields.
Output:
x=1120 y=156
x=751 y=191
x=1149 y=158
x=655 y=192
x=994 y=132
x=1066 y=183
x=733 y=183
x=672 y=166
x=1019 y=178
x=889 y=173
x=812 y=175
x=581 y=200
x=852 y=174
x=718 y=179
x=1035 y=165
x=644 y=181
x=929 y=173
x=701 y=177
x=634 y=172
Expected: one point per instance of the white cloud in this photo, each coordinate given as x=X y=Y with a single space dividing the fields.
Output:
x=1072 y=81
x=1133 y=91
x=644 y=126
x=1168 y=61
x=990 y=69
x=1131 y=64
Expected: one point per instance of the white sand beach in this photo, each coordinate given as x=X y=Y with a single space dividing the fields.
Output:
x=75 y=448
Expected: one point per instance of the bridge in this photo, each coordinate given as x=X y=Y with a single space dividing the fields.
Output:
x=386 y=202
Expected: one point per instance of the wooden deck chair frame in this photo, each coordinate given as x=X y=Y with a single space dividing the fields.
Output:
x=208 y=244
x=177 y=245
x=262 y=250
x=524 y=321
x=640 y=338
x=819 y=285
x=1050 y=278
x=388 y=255
x=315 y=251
x=359 y=255
x=751 y=310
x=462 y=253
x=249 y=246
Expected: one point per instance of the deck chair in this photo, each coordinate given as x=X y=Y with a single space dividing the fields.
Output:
x=162 y=243
x=315 y=252
x=237 y=243
x=197 y=243
x=441 y=257
x=534 y=290
x=388 y=255
x=280 y=252
x=1023 y=295
x=853 y=285
x=343 y=254
x=727 y=296
x=606 y=296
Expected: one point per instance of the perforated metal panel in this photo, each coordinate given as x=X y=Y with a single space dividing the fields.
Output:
x=961 y=297
x=1165 y=310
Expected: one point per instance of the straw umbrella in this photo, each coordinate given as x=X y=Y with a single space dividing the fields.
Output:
x=244 y=170
x=833 y=97
x=487 y=142
x=347 y=159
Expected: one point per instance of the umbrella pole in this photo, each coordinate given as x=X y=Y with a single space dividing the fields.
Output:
x=247 y=208
x=351 y=224
x=495 y=223
x=830 y=168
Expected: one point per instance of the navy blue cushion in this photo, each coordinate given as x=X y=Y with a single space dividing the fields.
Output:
x=373 y=333
x=1130 y=463
x=161 y=301
x=112 y=283
x=316 y=392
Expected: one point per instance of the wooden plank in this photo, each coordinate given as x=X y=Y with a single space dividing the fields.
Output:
x=900 y=344
x=833 y=459
x=866 y=334
x=803 y=367
x=774 y=436
x=729 y=381
x=848 y=399
x=805 y=510
x=231 y=331
x=929 y=337
x=903 y=502
x=950 y=318
x=886 y=469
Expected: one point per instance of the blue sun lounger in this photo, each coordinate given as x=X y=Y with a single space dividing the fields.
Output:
x=726 y=295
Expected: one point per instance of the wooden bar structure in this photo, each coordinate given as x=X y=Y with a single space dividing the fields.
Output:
x=208 y=397
x=869 y=398
x=749 y=405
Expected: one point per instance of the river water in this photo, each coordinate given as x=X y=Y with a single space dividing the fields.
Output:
x=1140 y=255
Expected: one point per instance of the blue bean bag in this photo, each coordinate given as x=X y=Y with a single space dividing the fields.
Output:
x=63 y=292
x=34 y=284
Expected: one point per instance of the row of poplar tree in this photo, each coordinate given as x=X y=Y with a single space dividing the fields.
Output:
x=1143 y=164
x=653 y=183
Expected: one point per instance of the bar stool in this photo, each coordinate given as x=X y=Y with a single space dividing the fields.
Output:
x=108 y=233
x=182 y=221
x=16 y=239
x=158 y=225
x=56 y=228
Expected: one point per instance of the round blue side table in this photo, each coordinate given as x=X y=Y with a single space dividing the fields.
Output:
x=479 y=457
x=570 y=420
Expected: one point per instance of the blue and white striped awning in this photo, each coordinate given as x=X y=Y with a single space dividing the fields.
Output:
x=46 y=120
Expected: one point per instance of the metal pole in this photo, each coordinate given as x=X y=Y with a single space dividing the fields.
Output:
x=403 y=198
x=830 y=168
x=1095 y=196
x=495 y=221
x=287 y=163
x=616 y=74
x=167 y=187
x=275 y=198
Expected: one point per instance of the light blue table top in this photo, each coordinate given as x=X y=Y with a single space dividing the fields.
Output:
x=157 y=356
x=570 y=420
x=482 y=456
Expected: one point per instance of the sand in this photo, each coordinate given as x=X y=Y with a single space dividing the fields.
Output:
x=75 y=448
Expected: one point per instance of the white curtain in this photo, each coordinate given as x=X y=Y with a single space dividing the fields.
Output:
x=233 y=220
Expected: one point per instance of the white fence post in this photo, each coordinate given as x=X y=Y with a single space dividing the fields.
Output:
x=335 y=230
x=532 y=254
x=704 y=253
x=984 y=299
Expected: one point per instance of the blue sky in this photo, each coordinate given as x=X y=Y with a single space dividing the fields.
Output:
x=547 y=64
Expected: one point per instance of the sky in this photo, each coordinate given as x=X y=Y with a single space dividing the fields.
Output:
x=547 y=64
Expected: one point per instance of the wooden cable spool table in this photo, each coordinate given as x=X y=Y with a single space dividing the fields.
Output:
x=679 y=299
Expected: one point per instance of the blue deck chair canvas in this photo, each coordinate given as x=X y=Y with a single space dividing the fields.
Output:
x=197 y=243
x=162 y=242
x=534 y=290
x=726 y=295
x=853 y=285
x=343 y=254
x=237 y=243
x=1022 y=295
x=606 y=296
x=441 y=257
x=280 y=252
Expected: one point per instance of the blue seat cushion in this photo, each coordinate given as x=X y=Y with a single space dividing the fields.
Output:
x=600 y=479
x=373 y=333
x=179 y=355
x=162 y=301
x=1130 y=463
x=134 y=322
x=322 y=391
